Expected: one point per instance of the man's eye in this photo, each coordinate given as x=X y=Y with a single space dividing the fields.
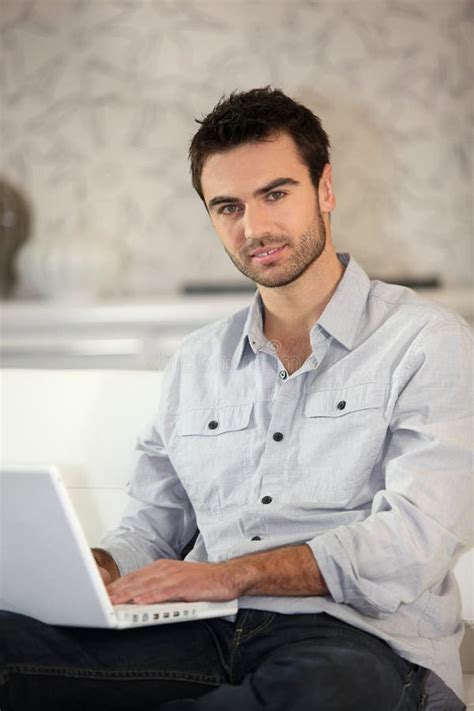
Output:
x=275 y=195
x=229 y=209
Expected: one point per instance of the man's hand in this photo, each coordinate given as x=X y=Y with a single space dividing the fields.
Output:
x=174 y=580
x=106 y=564
x=282 y=571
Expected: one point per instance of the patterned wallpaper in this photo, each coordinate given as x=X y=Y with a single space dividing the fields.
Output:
x=99 y=99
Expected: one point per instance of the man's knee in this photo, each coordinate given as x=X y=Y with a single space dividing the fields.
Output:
x=337 y=680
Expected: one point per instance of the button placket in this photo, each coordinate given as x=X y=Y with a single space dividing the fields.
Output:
x=285 y=400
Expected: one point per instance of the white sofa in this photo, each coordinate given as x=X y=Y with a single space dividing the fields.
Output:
x=87 y=422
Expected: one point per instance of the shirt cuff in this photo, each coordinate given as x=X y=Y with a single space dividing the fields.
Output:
x=125 y=556
x=345 y=585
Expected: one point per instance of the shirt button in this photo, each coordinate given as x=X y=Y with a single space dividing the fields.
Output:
x=278 y=436
x=213 y=424
x=283 y=374
x=341 y=404
x=267 y=500
x=256 y=538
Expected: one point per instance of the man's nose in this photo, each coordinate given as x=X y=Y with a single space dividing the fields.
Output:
x=256 y=223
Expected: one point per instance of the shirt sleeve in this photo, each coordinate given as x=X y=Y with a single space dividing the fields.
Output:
x=159 y=520
x=422 y=518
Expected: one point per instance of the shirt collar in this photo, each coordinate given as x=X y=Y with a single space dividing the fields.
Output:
x=252 y=334
x=340 y=319
x=342 y=314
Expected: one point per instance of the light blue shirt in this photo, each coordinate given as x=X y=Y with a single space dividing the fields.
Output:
x=363 y=453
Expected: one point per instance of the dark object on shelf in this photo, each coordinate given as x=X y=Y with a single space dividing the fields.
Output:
x=15 y=224
x=413 y=282
x=218 y=288
x=204 y=289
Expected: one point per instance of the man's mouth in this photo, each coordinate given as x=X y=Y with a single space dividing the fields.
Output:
x=266 y=255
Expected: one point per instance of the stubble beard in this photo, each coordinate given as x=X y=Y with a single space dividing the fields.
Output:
x=309 y=247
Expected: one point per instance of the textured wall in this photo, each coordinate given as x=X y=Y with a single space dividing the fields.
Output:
x=100 y=96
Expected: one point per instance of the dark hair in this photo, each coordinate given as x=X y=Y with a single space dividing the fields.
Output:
x=250 y=116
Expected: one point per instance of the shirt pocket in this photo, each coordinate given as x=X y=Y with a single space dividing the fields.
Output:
x=213 y=455
x=341 y=438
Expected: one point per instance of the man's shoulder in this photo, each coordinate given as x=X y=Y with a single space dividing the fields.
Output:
x=414 y=310
x=216 y=337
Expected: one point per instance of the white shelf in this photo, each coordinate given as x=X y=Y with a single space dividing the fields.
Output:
x=130 y=333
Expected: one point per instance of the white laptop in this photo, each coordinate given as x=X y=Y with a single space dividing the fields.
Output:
x=47 y=570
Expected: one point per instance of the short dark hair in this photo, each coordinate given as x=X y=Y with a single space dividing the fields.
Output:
x=251 y=116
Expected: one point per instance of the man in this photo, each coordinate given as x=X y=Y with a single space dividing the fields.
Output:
x=319 y=442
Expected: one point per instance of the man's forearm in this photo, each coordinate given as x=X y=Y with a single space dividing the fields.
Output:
x=292 y=570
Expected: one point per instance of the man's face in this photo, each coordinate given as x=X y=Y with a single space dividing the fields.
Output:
x=265 y=209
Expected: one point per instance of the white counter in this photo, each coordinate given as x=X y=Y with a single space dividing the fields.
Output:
x=115 y=334
x=129 y=334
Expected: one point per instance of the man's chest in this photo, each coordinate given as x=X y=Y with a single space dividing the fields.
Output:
x=302 y=442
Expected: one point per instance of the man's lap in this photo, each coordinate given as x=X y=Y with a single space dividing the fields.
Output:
x=138 y=651
x=57 y=667
x=261 y=655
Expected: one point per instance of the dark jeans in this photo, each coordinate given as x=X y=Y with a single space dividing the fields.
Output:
x=262 y=661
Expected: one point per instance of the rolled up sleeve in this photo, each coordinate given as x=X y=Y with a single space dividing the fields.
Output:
x=422 y=518
x=159 y=520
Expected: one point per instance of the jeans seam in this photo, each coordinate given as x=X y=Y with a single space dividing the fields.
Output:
x=411 y=677
x=121 y=674
x=240 y=637
x=261 y=627
x=399 y=706
x=234 y=650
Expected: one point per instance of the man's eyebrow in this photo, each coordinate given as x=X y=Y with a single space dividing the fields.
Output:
x=279 y=182
x=220 y=199
x=275 y=184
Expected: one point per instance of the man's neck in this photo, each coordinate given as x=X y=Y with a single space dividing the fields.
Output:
x=291 y=311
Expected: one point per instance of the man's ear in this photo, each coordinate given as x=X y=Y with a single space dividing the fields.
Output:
x=327 y=198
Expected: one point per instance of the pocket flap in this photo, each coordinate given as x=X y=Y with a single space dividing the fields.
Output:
x=214 y=421
x=342 y=401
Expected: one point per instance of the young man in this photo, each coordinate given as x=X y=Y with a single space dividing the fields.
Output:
x=319 y=442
